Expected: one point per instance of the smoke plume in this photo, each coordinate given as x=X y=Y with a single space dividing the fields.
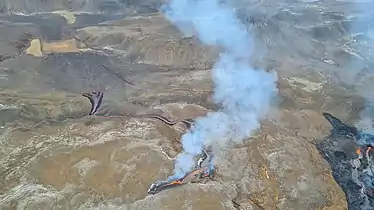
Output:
x=244 y=93
x=359 y=74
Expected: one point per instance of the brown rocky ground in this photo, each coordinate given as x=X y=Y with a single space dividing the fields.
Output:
x=55 y=157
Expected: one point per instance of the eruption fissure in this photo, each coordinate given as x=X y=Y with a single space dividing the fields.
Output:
x=244 y=93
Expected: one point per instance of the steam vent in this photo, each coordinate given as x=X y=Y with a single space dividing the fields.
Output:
x=185 y=104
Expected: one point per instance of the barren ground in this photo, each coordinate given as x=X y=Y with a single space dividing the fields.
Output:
x=53 y=156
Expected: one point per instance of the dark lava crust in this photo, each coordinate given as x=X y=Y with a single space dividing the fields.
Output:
x=339 y=150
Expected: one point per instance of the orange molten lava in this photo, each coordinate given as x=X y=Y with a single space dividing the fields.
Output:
x=176 y=182
x=358 y=151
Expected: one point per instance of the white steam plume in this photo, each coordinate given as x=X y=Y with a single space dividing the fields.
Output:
x=244 y=93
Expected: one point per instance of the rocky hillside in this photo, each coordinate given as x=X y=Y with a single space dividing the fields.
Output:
x=54 y=156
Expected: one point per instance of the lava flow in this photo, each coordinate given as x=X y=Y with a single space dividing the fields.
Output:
x=200 y=171
x=362 y=167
